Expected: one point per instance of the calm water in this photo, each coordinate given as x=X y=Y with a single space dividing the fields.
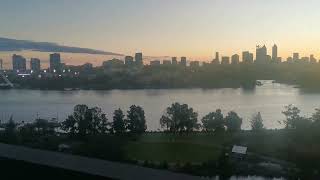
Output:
x=268 y=99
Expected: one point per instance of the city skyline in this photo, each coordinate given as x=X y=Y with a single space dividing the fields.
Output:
x=262 y=56
x=195 y=29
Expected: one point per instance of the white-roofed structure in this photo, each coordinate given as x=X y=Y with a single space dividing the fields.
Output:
x=239 y=152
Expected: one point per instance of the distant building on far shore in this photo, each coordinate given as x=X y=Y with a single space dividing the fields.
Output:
x=183 y=61
x=155 y=63
x=19 y=63
x=1 y=64
x=35 y=65
x=174 y=61
x=128 y=60
x=55 y=62
x=139 y=59
x=166 y=62
x=225 y=60
x=235 y=59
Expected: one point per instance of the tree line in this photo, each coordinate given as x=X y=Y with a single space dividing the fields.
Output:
x=178 y=118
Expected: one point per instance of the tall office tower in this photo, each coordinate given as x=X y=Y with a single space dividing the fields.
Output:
x=128 y=60
x=19 y=63
x=139 y=59
x=174 y=61
x=235 y=59
x=275 y=53
x=216 y=60
x=1 y=64
x=261 y=54
x=225 y=60
x=183 y=61
x=295 y=57
x=35 y=65
x=55 y=62
x=247 y=57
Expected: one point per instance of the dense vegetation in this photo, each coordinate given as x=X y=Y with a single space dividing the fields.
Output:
x=175 y=76
x=186 y=143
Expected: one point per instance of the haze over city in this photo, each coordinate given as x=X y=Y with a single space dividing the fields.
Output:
x=195 y=29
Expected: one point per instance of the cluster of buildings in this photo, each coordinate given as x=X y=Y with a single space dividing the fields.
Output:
x=19 y=63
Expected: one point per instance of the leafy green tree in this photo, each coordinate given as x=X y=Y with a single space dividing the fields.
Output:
x=119 y=123
x=213 y=121
x=257 y=122
x=179 y=118
x=86 y=121
x=233 y=122
x=292 y=116
x=136 y=120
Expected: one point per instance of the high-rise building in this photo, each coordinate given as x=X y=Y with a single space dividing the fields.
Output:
x=1 y=64
x=183 y=61
x=55 y=62
x=216 y=60
x=261 y=54
x=235 y=59
x=296 y=57
x=139 y=59
x=225 y=60
x=19 y=63
x=35 y=65
x=128 y=60
x=275 y=53
x=247 y=57
x=174 y=61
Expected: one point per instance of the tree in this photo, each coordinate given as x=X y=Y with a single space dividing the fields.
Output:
x=257 y=122
x=136 y=120
x=292 y=116
x=179 y=118
x=233 y=122
x=213 y=121
x=119 y=124
x=11 y=126
x=86 y=121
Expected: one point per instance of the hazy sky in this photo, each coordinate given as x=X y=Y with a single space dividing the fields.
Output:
x=194 y=28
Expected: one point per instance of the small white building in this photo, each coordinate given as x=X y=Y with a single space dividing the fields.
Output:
x=239 y=152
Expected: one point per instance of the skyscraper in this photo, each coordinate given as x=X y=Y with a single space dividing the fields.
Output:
x=19 y=63
x=35 y=64
x=261 y=54
x=312 y=59
x=295 y=57
x=247 y=57
x=216 y=60
x=139 y=59
x=174 y=61
x=235 y=59
x=183 y=61
x=275 y=53
x=55 y=62
x=128 y=60
x=1 y=64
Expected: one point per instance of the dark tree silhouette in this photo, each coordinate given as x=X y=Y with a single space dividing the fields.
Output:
x=257 y=122
x=119 y=123
x=213 y=121
x=136 y=120
x=233 y=122
x=86 y=121
x=179 y=118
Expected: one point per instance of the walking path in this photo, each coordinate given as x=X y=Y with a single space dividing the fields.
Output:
x=88 y=165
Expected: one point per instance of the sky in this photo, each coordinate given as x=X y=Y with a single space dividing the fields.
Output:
x=192 y=28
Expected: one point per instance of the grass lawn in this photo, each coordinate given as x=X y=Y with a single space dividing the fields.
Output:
x=159 y=147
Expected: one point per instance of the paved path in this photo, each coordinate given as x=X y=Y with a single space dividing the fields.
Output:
x=88 y=165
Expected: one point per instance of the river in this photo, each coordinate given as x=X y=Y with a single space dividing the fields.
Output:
x=269 y=99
